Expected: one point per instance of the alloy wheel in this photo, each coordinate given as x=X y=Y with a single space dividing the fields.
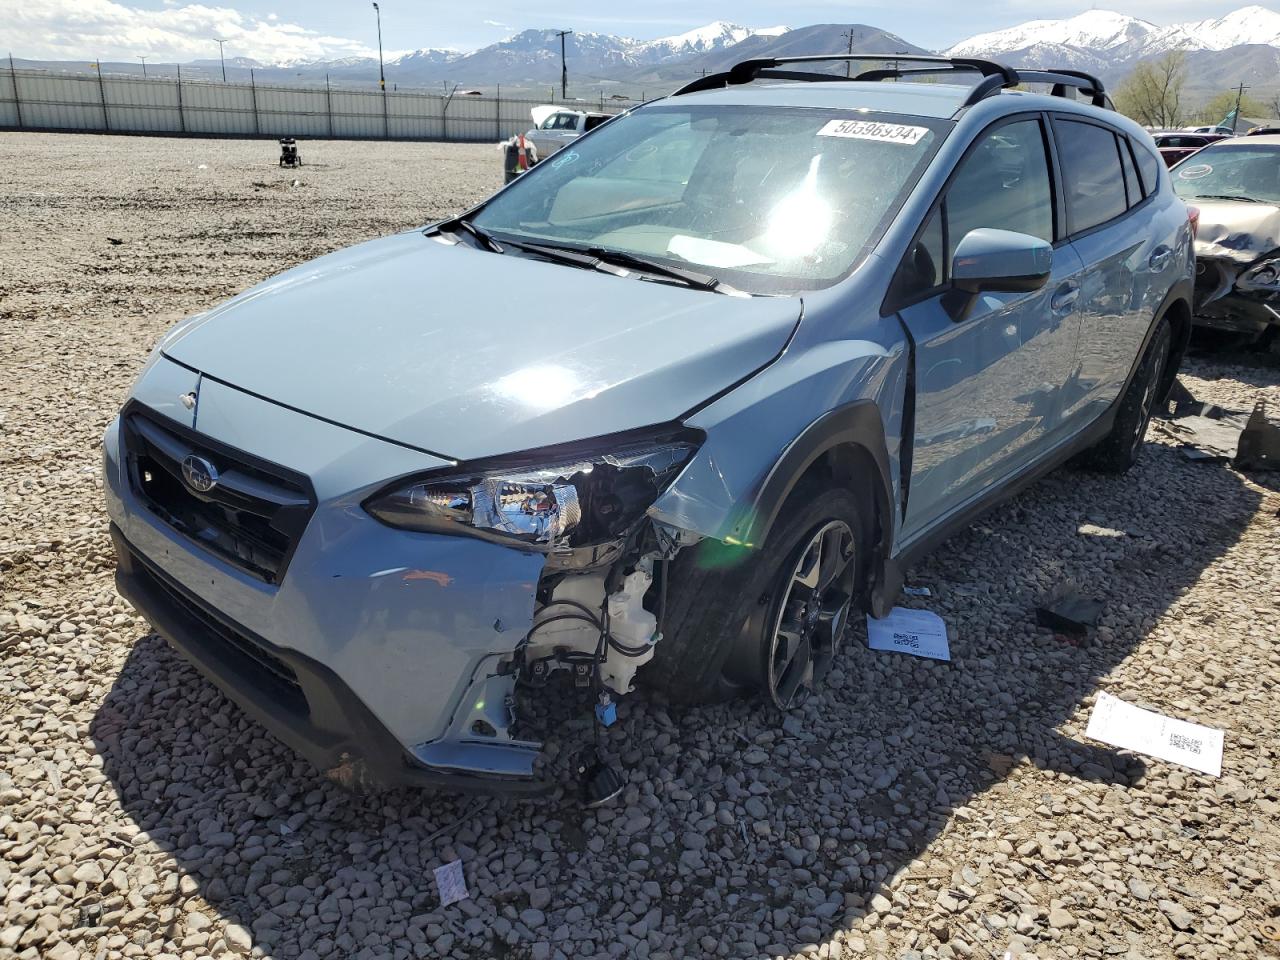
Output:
x=811 y=615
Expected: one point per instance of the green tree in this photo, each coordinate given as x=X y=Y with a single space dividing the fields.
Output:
x=1220 y=106
x=1152 y=93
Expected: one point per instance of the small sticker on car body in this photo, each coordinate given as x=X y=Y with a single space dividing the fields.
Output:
x=874 y=130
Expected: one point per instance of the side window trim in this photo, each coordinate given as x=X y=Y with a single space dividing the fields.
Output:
x=1055 y=175
x=893 y=302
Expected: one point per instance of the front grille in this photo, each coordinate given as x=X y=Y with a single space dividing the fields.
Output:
x=253 y=516
x=275 y=678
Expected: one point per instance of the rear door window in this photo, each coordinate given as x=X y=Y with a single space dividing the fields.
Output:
x=1093 y=180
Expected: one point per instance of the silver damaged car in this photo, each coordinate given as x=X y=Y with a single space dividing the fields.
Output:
x=795 y=330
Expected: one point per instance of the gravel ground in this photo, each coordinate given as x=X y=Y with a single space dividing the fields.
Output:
x=915 y=809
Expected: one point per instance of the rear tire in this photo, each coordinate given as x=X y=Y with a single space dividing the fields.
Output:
x=725 y=606
x=1119 y=449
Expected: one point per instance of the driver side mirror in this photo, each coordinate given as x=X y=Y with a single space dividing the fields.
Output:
x=997 y=261
x=1001 y=261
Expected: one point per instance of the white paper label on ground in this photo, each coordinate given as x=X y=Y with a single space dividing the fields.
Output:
x=920 y=632
x=874 y=130
x=1144 y=731
x=451 y=884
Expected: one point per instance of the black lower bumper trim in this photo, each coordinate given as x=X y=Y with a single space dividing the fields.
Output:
x=298 y=700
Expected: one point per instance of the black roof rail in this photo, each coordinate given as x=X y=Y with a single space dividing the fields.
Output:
x=994 y=76
x=1086 y=83
x=766 y=68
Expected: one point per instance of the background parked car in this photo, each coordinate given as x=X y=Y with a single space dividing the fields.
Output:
x=1236 y=186
x=1178 y=146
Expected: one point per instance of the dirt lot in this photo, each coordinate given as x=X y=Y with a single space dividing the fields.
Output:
x=915 y=809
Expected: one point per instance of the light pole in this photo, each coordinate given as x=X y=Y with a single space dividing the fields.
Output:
x=382 y=77
x=222 y=58
x=144 y=65
x=564 y=69
x=848 y=35
x=1235 y=114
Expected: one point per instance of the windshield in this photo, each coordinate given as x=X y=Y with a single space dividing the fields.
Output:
x=1248 y=171
x=769 y=199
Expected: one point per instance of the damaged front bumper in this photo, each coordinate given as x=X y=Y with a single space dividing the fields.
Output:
x=310 y=708
x=1237 y=283
x=383 y=656
x=1226 y=299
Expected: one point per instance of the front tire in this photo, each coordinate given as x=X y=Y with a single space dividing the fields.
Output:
x=770 y=619
x=1119 y=449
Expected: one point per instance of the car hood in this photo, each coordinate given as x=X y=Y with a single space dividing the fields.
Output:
x=1236 y=230
x=466 y=353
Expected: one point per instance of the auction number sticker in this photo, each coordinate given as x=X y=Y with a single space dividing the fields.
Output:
x=874 y=130
x=1195 y=171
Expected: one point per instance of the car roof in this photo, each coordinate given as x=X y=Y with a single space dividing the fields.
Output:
x=1258 y=138
x=942 y=101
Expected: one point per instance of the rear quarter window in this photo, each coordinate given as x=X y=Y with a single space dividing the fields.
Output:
x=1149 y=166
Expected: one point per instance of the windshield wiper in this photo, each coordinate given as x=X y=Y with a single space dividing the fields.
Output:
x=566 y=255
x=609 y=261
x=481 y=237
x=1227 y=196
x=690 y=278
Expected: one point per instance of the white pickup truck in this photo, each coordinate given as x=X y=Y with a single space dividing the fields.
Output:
x=554 y=126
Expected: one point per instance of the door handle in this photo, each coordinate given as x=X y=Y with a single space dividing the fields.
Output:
x=1064 y=298
x=1160 y=258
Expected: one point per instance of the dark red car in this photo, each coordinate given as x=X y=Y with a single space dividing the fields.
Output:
x=1178 y=146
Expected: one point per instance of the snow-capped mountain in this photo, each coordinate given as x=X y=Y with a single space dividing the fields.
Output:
x=427 y=55
x=1243 y=46
x=1246 y=25
x=1116 y=38
x=533 y=56
x=1091 y=30
x=713 y=36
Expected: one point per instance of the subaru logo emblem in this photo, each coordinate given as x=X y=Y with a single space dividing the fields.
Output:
x=200 y=474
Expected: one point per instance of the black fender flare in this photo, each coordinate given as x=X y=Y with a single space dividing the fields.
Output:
x=855 y=428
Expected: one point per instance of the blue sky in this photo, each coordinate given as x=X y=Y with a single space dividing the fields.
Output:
x=278 y=30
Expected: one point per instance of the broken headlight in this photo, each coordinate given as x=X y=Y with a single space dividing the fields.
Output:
x=574 y=501
x=1261 y=278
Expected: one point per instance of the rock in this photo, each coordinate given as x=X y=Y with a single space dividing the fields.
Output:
x=89 y=872
x=1062 y=919
x=1177 y=915
x=238 y=937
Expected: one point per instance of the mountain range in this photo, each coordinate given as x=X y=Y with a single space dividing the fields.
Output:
x=1243 y=46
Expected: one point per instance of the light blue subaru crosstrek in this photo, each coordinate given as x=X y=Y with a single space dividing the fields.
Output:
x=663 y=411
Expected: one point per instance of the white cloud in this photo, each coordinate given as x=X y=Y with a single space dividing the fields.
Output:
x=497 y=23
x=80 y=29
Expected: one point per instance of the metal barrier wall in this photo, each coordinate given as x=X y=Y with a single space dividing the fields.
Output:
x=39 y=100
